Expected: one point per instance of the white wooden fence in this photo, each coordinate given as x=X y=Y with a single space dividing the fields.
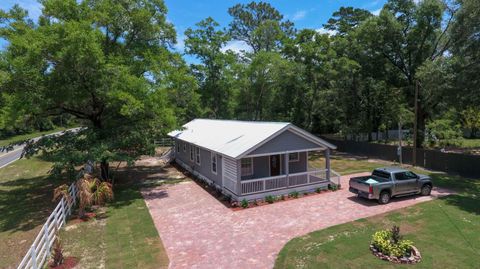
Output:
x=39 y=252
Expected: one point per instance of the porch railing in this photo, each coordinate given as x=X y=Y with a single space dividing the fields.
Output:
x=282 y=181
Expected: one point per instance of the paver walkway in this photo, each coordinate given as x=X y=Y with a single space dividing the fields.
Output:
x=200 y=232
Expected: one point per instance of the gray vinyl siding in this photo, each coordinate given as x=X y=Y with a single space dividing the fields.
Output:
x=204 y=168
x=261 y=166
x=300 y=166
x=286 y=141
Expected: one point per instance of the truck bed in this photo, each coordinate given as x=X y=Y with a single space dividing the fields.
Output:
x=363 y=183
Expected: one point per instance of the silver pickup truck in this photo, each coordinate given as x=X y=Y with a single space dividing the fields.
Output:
x=385 y=183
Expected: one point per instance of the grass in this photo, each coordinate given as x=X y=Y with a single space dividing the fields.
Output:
x=122 y=236
x=25 y=202
x=18 y=138
x=345 y=164
x=446 y=231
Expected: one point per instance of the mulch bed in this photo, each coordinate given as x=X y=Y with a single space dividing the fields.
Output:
x=68 y=263
x=415 y=256
x=88 y=216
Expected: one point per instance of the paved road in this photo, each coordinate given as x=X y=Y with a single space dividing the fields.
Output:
x=7 y=158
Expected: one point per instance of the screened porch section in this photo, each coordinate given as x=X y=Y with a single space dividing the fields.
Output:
x=288 y=170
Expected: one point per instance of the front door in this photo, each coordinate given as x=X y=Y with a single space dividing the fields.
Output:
x=274 y=165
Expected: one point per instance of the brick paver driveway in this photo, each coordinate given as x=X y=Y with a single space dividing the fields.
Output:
x=200 y=232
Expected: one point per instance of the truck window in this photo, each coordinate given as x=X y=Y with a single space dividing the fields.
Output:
x=405 y=175
x=379 y=173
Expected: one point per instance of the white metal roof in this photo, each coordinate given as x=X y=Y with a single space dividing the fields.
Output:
x=231 y=137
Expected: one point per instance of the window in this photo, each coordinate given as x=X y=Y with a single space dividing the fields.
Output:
x=178 y=146
x=197 y=155
x=405 y=175
x=247 y=167
x=213 y=157
x=293 y=157
x=184 y=147
x=191 y=153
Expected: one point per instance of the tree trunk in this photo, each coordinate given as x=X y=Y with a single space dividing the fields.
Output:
x=105 y=170
x=421 y=126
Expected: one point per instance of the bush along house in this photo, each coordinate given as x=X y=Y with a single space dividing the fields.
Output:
x=252 y=159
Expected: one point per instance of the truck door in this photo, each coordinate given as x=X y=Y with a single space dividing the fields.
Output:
x=405 y=182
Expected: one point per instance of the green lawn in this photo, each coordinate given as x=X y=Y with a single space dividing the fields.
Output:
x=25 y=203
x=446 y=231
x=122 y=236
x=18 y=138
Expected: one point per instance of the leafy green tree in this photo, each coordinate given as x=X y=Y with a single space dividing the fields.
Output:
x=261 y=80
x=471 y=120
x=106 y=63
x=346 y=19
x=465 y=51
x=259 y=25
x=315 y=53
x=408 y=34
x=216 y=72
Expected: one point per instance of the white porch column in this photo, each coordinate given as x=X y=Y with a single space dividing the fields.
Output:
x=327 y=163
x=238 y=187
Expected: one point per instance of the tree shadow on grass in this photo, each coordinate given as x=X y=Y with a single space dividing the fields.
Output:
x=130 y=180
x=466 y=203
x=26 y=203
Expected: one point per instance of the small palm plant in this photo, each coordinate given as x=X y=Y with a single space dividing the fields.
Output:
x=62 y=192
x=92 y=191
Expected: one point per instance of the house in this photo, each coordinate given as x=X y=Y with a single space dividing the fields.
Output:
x=251 y=159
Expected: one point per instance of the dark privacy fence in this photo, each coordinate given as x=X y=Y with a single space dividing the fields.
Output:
x=462 y=164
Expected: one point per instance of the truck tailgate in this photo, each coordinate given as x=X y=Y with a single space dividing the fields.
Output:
x=359 y=184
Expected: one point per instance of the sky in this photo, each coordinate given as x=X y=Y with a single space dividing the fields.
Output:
x=185 y=13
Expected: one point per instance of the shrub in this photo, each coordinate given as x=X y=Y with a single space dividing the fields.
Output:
x=282 y=197
x=293 y=194
x=318 y=190
x=244 y=203
x=269 y=199
x=390 y=242
x=333 y=187
x=255 y=202
x=57 y=255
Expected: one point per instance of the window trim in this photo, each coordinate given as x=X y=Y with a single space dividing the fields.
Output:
x=178 y=146
x=251 y=170
x=294 y=160
x=197 y=156
x=184 y=147
x=212 y=155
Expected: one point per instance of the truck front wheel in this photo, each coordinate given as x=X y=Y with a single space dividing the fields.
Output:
x=384 y=197
x=426 y=189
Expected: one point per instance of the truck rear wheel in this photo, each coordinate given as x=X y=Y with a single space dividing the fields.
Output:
x=384 y=197
x=426 y=190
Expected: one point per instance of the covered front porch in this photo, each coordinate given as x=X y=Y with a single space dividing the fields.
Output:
x=285 y=172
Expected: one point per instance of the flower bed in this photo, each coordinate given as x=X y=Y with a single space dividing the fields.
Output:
x=388 y=245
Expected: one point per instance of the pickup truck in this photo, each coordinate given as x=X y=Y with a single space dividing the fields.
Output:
x=385 y=183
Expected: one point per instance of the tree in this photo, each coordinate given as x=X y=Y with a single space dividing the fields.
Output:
x=346 y=19
x=465 y=51
x=315 y=53
x=215 y=74
x=259 y=25
x=408 y=34
x=471 y=120
x=262 y=79
x=106 y=63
